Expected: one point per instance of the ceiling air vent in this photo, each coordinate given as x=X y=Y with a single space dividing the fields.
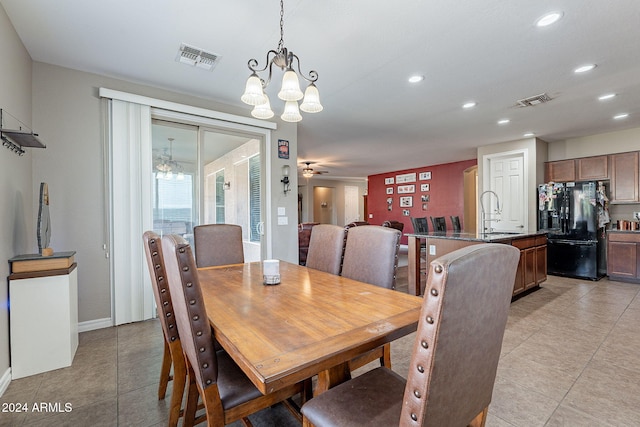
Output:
x=534 y=100
x=197 y=57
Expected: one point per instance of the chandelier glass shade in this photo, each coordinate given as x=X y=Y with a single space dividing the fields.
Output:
x=290 y=88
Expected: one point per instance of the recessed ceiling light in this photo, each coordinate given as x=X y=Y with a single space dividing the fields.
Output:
x=549 y=19
x=621 y=116
x=416 y=78
x=584 y=68
x=607 y=96
x=469 y=104
x=503 y=121
x=529 y=134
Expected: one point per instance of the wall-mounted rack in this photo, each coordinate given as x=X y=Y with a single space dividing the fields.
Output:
x=15 y=135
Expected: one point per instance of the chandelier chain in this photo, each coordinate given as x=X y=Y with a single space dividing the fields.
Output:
x=281 y=43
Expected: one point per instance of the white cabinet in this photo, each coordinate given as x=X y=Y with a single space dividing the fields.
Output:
x=44 y=320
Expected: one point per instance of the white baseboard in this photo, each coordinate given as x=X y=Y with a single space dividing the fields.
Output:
x=91 y=325
x=5 y=379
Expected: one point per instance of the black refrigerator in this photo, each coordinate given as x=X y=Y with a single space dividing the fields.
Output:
x=574 y=215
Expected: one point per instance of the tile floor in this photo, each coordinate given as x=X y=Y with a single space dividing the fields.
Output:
x=570 y=357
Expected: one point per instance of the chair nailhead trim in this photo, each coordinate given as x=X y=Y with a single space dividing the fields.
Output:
x=434 y=292
x=208 y=381
x=196 y=317
x=201 y=349
x=161 y=279
x=189 y=285
x=157 y=266
x=199 y=333
x=414 y=417
x=417 y=394
x=163 y=291
x=181 y=250
x=185 y=268
x=192 y=302
x=168 y=314
x=430 y=320
x=438 y=269
x=166 y=303
x=154 y=253
x=172 y=338
x=425 y=344
x=420 y=369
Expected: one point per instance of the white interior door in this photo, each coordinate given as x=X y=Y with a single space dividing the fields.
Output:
x=506 y=178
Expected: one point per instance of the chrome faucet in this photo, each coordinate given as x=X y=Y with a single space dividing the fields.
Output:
x=484 y=218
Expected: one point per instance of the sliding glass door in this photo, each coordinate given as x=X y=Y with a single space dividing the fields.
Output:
x=205 y=175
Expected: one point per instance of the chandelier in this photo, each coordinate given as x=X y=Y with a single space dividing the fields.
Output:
x=290 y=90
x=166 y=165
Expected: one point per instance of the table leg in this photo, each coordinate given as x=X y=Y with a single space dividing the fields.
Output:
x=413 y=276
x=332 y=377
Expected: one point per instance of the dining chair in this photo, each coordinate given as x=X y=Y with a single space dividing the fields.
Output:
x=227 y=393
x=394 y=224
x=455 y=223
x=439 y=223
x=172 y=354
x=420 y=225
x=218 y=244
x=326 y=248
x=371 y=256
x=455 y=354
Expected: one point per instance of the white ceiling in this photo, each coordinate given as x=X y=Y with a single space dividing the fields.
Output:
x=373 y=121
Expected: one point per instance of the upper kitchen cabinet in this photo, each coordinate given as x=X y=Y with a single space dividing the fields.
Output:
x=592 y=168
x=624 y=177
x=560 y=171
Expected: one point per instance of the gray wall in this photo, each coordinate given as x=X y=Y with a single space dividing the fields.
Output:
x=68 y=112
x=17 y=233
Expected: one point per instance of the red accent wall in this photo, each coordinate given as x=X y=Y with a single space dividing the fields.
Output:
x=445 y=195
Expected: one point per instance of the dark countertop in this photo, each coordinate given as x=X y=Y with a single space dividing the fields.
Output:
x=495 y=237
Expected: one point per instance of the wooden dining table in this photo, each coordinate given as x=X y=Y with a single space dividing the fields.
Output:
x=312 y=323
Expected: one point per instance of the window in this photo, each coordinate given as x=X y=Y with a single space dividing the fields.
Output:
x=220 y=218
x=254 y=198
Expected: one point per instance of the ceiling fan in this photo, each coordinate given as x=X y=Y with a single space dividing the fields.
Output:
x=308 y=172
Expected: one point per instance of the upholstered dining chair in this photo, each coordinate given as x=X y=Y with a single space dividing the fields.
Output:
x=420 y=225
x=172 y=355
x=218 y=244
x=371 y=256
x=394 y=224
x=326 y=248
x=455 y=355
x=439 y=223
x=455 y=223
x=228 y=395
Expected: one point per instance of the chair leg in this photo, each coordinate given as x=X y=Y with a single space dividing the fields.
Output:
x=191 y=405
x=179 y=381
x=306 y=422
x=165 y=371
x=480 y=419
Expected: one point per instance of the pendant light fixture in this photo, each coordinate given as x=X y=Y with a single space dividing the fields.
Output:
x=290 y=90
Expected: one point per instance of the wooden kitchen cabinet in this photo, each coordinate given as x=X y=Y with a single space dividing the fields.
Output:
x=623 y=262
x=560 y=171
x=592 y=168
x=532 y=269
x=624 y=177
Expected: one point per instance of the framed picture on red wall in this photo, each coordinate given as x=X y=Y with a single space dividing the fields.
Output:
x=389 y=190
x=425 y=176
x=406 y=201
x=406 y=189
x=424 y=187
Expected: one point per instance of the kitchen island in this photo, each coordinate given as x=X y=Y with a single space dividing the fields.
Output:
x=532 y=269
